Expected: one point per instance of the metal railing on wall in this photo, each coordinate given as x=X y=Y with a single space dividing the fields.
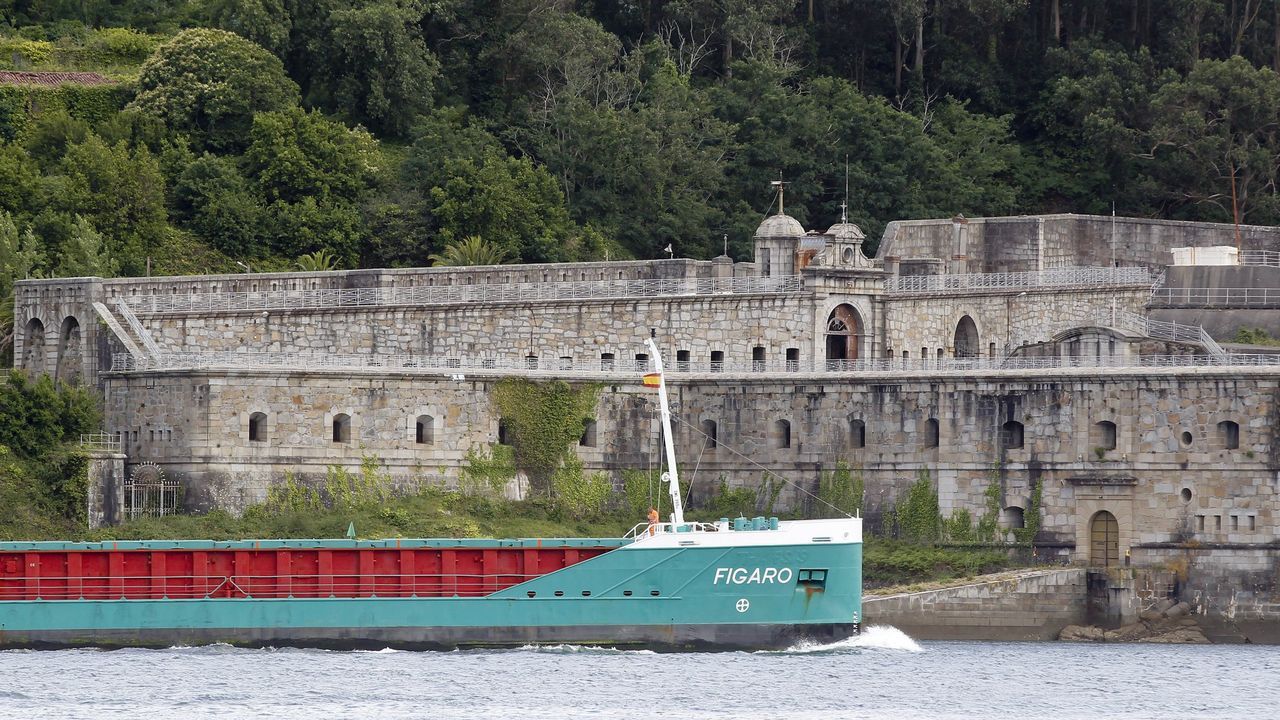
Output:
x=458 y=365
x=1216 y=297
x=1161 y=329
x=1269 y=258
x=1070 y=277
x=456 y=294
x=107 y=442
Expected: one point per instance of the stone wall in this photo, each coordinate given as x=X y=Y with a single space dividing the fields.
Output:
x=1158 y=484
x=1022 y=606
x=1046 y=241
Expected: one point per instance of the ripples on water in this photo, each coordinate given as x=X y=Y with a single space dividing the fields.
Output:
x=882 y=674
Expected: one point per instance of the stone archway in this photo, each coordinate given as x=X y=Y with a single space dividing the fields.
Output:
x=966 y=343
x=69 y=361
x=1104 y=540
x=33 y=346
x=844 y=332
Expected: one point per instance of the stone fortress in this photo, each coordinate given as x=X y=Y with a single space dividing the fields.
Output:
x=1060 y=357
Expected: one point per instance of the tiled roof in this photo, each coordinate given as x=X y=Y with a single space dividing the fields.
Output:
x=52 y=79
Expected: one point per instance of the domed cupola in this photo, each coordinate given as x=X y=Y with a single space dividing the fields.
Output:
x=776 y=241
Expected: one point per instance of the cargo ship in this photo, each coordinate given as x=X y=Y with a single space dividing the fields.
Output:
x=745 y=583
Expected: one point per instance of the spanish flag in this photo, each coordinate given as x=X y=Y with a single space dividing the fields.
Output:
x=652 y=379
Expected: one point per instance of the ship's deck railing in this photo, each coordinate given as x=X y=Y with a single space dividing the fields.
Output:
x=1068 y=277
x=1221 y=297
x=646 y=530
x=1269 y=258
x=460 y=365
x=256 y=586
x=323 y=299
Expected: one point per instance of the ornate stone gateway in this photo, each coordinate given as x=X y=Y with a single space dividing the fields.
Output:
x=1104 y=540
x=844 y=329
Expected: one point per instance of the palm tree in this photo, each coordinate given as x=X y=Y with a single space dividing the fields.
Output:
x=471 y=250
x=318 y=261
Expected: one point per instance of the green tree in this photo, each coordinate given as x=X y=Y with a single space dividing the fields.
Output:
x=18 y=257
x=377 y=67
x=294 y=154
x=318 y=261
x=1214 y=141
x=210 y=83
x=84 y=254
x=265 y=22
x=121 y=192
x=214 y=199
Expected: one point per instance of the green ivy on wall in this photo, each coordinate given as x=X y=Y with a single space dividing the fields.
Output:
x=94 y=105
x=544 y=422
x=841 y=489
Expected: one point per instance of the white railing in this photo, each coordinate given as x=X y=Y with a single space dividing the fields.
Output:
x=456 y=294
x=1219 y=297
x=588 y=368
x=100 y=441
x=1071 y=277
x=138 y=329
x=1270 y=258
x=1161 y=329
x=646 y=530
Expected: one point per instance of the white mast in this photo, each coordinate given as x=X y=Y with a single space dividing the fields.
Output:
x=677 y=513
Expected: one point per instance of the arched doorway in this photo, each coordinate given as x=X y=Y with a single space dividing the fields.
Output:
x=1104 y=540
x=844 y=328
x=33 y=346
x=966 y=341
x=69 y=361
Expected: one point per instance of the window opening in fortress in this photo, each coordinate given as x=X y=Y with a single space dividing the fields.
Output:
x=844 y=327
x=1229 y=435
x=717 y=361
x=967 y=343
x=682 y=361
x=1200 y=523
x=504 y=432
x=1014 y=517
x=425 y=433
x=1235 y=522
x=258 y=427
x=857 y=433
x=588 y=438
x=566 y=362
x=606 y=361
x=1104 y=540
x=33 y=346
x=931 y=433
x=531 y=362
x=1253 y=522
x=1011 y=435
x=642 y=362
x=782 y=434
x=342 y=428
x=793 y=359
x=991 y=349
x=1186 y=438
x=710 y=434
x=1104 y=435
x=1186 y=494
x=757 y=358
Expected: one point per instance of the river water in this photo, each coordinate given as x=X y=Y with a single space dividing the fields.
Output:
x=883 y=674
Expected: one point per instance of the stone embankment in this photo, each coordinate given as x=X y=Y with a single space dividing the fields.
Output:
x=1167 y=621
x=1023 y=605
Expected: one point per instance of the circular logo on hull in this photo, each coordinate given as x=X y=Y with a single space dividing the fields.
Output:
x=743 y=605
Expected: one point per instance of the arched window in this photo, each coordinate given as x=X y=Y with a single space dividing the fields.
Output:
x=258 y=427
x=844 y=330
x=425 y=430
x=1013 y=517
x=588 y=438
x=782 y=433
x=1229 y=435
x=966 y=342
x=857 y=433
x=931 y=433
x=710 y=434
x=32 y=345
x=1011 y=435
x=1104 y=435
x=1104 y=540
x=342 y=428
x=69 y=357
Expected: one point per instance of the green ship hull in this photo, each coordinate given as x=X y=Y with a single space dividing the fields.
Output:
x=682 y=594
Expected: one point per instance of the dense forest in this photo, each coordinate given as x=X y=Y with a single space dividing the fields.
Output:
x=276 y=134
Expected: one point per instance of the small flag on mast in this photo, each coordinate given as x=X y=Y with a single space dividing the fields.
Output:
x=652 y=379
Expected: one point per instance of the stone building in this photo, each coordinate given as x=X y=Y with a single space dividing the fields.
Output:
x=1016 y=352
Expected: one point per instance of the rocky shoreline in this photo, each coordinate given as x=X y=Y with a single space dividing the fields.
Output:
x=1166 y=622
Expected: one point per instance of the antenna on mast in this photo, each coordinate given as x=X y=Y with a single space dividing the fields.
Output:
x=781 y=187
